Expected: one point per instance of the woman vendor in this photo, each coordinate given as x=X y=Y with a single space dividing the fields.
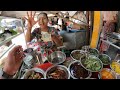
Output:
x=45 y=35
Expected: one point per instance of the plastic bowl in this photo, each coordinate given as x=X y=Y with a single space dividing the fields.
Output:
x=54 y=70
x=75 y=69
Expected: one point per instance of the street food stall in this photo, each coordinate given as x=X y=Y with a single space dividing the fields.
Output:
x=80 y=56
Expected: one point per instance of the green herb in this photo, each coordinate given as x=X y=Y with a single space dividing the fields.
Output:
x=77 y=55
x=13 y=32
x=93 y=52
x=92 y=64
x=105 y=59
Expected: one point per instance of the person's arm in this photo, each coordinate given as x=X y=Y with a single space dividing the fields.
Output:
x=28 y=35
x=31 y=23
x=12 y=63
x=56 y=39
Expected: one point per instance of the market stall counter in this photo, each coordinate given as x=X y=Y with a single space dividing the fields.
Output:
x=72 y=66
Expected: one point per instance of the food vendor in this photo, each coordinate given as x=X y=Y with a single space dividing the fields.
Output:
x=43 y=23
x=46 y=36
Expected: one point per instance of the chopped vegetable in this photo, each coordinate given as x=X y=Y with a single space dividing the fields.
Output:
x=92 y=64
x=35 y=75
x=106 y=74
x=57 y=74
x=115 y=66
x=105 y=59
x=76 y=55
x=93 y=52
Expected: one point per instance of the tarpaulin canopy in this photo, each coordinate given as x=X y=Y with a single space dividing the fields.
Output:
x=72 y=14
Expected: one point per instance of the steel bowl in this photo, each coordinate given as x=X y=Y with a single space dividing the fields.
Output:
x=60 y=67
x=57 y=57
x=85 y=47
x=28 y=72
x=105 y=56
x=91 y=53
x=81 y=52
x=94 y=57
x=109 y=70
x=78 y=62
x=116 y=61
x=88 y=50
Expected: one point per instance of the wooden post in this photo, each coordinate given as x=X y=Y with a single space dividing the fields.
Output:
x=96 y=29
x=87 y=29
x=91 y=23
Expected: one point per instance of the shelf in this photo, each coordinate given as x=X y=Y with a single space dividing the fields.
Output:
x=8 y=39
x=111 y=44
